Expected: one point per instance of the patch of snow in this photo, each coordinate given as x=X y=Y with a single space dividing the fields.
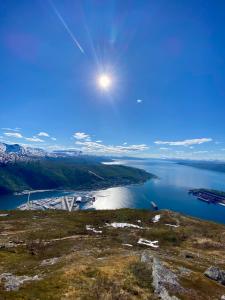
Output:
x=123 y=225
x=153 y=244
x=128 y=245
x=156 y=218
x=4 y=215
x=91 y=228
x=172 y=225
x=139 y=221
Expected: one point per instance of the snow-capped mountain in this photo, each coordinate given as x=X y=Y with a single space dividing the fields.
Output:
x=16 y=152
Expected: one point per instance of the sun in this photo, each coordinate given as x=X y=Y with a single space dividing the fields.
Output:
x=104 y=81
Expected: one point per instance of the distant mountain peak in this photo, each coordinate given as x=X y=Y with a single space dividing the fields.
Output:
x=15 y=152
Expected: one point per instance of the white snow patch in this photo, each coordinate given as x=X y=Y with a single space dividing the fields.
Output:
x=91 y=228
x=153 y=244
x=139 y=221
x=156 y=218
x=123 y=225
x=172 y=225
x=128 y=245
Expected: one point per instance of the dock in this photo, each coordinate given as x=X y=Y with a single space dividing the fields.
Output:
x=68 y=203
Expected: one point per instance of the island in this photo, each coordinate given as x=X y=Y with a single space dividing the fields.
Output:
x=209 y=196
x=67 y=174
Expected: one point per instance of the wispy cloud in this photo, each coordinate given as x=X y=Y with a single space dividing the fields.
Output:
x=201 y=152
x=164 y=148
x=34 y=139
x=42 y=133
x=11 y=129
x=139 y=100
x=184 y=142
x=53 y=138
x=99 y=141
x=81 y=136
x=98 y=148
x=14 y=135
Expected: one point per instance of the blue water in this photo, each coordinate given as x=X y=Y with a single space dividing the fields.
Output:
x=170 y=191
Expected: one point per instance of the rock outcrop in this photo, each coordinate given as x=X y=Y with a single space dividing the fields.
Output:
x=164 y=280
x=216 y=274
x=12 y=282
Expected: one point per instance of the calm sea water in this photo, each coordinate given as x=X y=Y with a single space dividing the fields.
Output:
x=170 y=191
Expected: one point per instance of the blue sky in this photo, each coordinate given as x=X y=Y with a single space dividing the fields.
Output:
x=168 y=54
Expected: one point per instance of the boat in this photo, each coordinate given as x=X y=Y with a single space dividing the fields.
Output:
x=154 y=205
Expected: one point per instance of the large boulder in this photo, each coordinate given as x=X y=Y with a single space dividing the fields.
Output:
x=216 y=274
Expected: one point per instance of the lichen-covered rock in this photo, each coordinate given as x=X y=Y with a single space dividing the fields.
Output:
x=12 y=282
x=50 y=261
x=216 y=274
x=162 y=279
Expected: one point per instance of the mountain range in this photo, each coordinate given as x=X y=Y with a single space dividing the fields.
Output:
x=15 y=152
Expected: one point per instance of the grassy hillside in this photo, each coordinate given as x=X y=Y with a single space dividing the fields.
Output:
x=66 y=174
x=108 y=264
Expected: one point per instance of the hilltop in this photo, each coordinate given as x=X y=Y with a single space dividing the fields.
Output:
x=119 y=254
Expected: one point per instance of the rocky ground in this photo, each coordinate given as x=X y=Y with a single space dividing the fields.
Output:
x=120 y=254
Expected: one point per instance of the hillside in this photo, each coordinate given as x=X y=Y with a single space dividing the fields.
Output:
x=66 y=173
x=207 y=165
x=90 y=255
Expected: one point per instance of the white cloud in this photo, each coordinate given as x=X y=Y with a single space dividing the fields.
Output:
x=93 y=147
x=139 y=101
x=11 y=129
x=125 y=143
x=99 y=141
x=34 y=139
x=184 y=142
x=164 y=148
x=200 y=152
x=14 y=134
x=53 y=138
x=81 y=136
x=42 y=133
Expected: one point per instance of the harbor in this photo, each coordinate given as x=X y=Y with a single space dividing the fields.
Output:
x=68 y=203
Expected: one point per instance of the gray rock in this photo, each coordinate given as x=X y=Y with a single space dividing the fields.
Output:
x=147 y=257
x=184 y=271
x=50 y=261
x=12 y=282
x=163 y=278
x=216 y=274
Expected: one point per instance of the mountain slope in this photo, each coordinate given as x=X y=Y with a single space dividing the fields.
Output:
x=66 y=174
x=55 y=255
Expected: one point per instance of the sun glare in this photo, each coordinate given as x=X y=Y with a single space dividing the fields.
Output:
x=104 y=81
